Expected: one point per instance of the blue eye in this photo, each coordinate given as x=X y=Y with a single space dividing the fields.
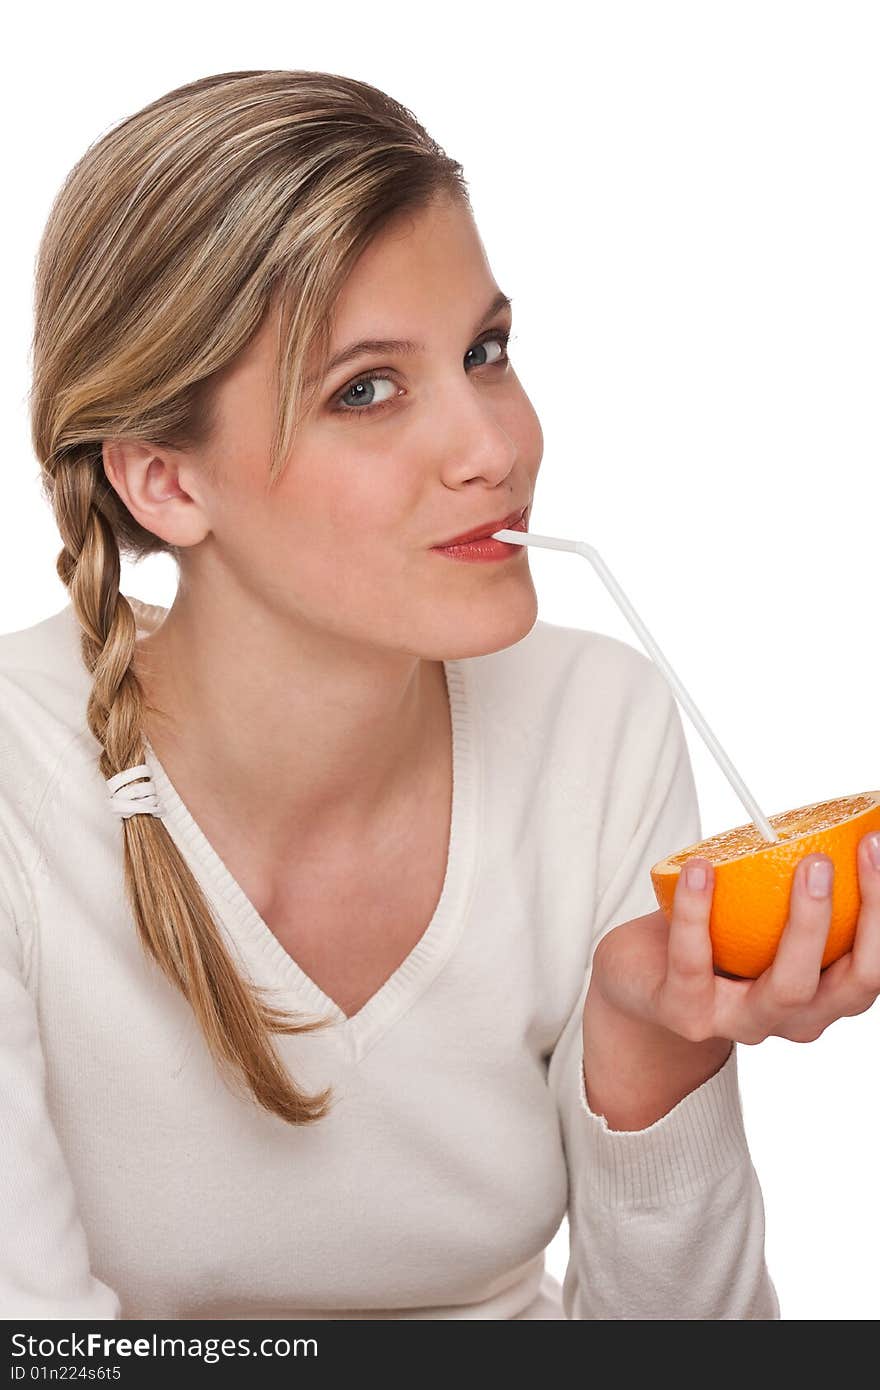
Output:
x=363 y=383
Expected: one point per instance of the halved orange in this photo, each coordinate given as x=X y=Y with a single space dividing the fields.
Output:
x=753 y=879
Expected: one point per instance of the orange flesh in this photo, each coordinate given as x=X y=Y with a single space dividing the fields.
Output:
x=745 y=839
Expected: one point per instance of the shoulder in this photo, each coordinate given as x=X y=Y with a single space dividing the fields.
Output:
x=572 y=714
x=44 y=691
x=571 y=674
x=45 y=657
x=44 y=682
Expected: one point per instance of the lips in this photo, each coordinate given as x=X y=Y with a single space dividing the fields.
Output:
x=481 y=532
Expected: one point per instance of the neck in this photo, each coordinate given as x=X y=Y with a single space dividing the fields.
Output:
x=305 y=734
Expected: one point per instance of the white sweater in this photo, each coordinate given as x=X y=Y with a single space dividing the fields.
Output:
x=136 y=1185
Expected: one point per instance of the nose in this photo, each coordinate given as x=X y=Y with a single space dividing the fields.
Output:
x=475 y=442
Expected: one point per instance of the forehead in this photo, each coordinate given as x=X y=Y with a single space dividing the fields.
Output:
x=424 y=275
x=417 y=266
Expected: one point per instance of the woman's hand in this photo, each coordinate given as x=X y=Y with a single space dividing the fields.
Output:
x=662 y=975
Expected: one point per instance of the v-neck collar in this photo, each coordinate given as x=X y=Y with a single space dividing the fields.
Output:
x=403 y=987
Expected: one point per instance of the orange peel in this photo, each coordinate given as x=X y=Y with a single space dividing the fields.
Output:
x=753 y=879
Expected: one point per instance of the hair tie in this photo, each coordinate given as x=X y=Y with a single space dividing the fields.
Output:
x=138 y=799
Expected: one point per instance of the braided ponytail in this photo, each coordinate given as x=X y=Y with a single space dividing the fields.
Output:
x=173 y=919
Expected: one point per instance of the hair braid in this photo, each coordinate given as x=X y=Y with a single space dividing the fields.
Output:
x=174 y=922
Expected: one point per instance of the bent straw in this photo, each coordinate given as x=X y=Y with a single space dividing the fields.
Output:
x=590 y=553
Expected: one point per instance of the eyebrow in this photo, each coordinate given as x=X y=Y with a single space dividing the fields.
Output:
x=404 y=345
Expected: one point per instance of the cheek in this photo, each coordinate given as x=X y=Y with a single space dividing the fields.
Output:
x=363 y=487
x=529 y=435
x=325 y=529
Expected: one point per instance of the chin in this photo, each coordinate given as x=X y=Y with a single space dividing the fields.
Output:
x=507 y=616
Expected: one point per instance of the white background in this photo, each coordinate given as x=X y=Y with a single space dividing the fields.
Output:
x=682 y=201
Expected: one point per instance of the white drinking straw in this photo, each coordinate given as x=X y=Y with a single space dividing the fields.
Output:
x=590 y=553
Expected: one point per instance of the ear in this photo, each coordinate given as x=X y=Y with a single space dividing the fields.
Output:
x=160 y=488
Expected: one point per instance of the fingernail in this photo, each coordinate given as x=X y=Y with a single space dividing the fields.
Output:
x=874 y=849
x=695 y=874
x=819 y=879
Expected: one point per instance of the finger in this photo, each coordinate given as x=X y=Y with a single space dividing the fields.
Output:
x=791 y=981
x=862 y=983
x=689 y=987
x=850 y=984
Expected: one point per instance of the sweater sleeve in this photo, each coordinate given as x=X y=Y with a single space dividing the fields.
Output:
x=44 y=1258
x=665 y=1222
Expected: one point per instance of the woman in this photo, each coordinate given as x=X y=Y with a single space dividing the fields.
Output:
x=303 y=880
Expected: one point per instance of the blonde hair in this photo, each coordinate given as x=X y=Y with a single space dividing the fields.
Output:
x=167 y=244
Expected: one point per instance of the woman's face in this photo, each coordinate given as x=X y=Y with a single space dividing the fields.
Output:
x=437 y=442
